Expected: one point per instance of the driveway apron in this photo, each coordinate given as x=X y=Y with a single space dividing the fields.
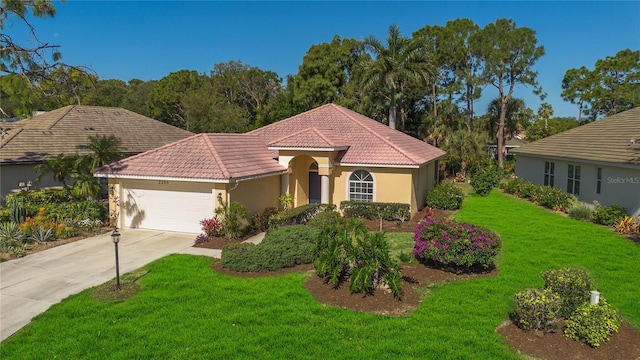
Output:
x=30 y=285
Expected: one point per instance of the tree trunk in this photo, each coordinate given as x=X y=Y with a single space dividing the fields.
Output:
x=500 y=134
x=470 y=107
x=392 y=111
x=434 y=94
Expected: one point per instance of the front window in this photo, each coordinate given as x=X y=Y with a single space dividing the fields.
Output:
x=549 y=171
x=573 y=180
x=599 y=181
x=361 y=186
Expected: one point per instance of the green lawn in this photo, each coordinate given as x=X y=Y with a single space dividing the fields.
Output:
x=187 y=311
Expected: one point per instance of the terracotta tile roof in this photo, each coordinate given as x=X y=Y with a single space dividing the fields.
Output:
x=370 y=142
x=203 y=156
x=311 y=138
x=63 y=130
x=607 y=140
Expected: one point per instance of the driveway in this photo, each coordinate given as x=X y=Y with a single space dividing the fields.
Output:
x=30 y=285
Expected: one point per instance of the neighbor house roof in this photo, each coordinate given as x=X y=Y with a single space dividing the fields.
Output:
x=64 y=130
x=216 y=157
x=369 y=142
x=614 y=139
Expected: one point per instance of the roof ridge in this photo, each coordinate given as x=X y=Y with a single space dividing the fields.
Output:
x=374 y=133
x=319 y=132
x=71 y=107
x=127 y=159
x=215 y=155
x=289 y=118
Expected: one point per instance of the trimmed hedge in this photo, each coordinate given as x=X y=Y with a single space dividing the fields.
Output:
x=485 y=180
x=445 y=196
x=547 y=196
x=537 y=309
x=286 y=246
x=608 y=215
x=327 y=217
x=297 y=216
x=376 y=210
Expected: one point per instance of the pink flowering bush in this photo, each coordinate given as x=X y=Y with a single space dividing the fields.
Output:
x=211 y=227
x=455 y=244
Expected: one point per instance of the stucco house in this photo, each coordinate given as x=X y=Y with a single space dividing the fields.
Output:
x=599 y=161
x=26 y=143
x=325 y=155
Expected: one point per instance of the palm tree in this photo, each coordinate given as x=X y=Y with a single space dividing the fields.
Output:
x=104 y=149
x=60 y=167
x=394 y=66
x=465 y=151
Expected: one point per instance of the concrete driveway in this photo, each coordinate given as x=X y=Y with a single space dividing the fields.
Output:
x=30 y=285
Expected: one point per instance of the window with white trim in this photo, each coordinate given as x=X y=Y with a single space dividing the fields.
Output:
x=549 y=172
x=361 y=186
x=573 y=180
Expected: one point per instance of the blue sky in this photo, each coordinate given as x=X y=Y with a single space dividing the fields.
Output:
x=149 y=39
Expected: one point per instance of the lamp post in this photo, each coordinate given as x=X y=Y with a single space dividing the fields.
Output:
x=115 y=236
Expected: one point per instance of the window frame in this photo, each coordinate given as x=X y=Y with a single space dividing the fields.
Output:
x=363 y=189
x=598 y=180
x=549 y=173
x=573 y=179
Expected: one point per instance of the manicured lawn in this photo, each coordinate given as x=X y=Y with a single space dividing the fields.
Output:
x=186 y=310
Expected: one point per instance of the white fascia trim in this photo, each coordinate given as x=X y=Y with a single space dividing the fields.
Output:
x=162 y=178
x=337 y=148
x=205 y=180
x=363 y=165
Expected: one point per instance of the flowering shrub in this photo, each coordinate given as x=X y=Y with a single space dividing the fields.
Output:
x=571 y=284
x=32 y=224
x=537 y=309
x=451 y=243
x=202 y=238
x=211 y=227
x=593 y=324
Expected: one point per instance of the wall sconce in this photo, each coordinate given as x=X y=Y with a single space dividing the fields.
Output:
x=220 y=197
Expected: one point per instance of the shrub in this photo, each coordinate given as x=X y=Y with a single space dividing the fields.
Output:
x=608 y=215
x=553 y=198
x=593 y=324
x=66 y=230
x=233 y=219
x=211 y=227
x=10 y=234
x=287 y=246
x=201 y=239
x=445 y=196
x=571 y=284
x=351 y=252
x=627 y=225
x=284 y=247
x=327 y=217
x=297 y=216
x=580 y=211
x=42 y=235
x=376 y=210
x=32 y=224
x=5 y=215
x=455 y=244
x=238 y=257
x=260 y=220
x=522 y=189
x=536 y=309
x=485 y=180
x=372 y=267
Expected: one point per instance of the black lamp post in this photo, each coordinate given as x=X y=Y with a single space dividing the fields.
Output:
x=115 y=236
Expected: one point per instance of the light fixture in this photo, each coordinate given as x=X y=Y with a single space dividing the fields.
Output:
x=115 y=237
x=220 y=197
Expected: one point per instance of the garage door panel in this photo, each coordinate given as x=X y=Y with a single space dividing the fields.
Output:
x=171 y=210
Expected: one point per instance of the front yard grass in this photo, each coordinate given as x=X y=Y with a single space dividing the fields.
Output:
x=186 y=310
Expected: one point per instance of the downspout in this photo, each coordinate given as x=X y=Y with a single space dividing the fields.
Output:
x=230 y=190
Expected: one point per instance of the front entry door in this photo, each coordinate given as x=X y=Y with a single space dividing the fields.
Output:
x=315 y=193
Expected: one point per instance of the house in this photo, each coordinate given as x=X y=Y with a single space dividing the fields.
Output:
x=599 y=161
x=509 y=145
x=28 y=142
x=325 y=155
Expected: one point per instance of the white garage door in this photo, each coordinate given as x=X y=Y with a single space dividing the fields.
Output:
x=173 y=207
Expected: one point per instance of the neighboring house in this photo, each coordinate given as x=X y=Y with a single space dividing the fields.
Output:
x=325 y=155
x=28 y=142
x=598 y=161
x=509 y=145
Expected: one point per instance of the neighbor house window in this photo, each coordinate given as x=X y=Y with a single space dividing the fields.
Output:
x=573 y=180
x=361 y=186
x=549 y=171
x=598 y=180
